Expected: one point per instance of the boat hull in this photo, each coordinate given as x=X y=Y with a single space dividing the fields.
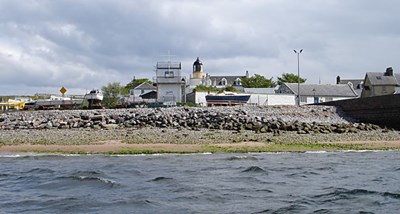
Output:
x=93 y=97
x=227 y=99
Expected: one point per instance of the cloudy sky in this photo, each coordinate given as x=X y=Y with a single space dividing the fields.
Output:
x=85 y=44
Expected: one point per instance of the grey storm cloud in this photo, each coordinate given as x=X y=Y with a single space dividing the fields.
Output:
x=47 y=44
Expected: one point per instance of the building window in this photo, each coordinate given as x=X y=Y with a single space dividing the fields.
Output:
x=303 y=99
x=169 y=74
x=384 y=89
x=366 y=87
x=238 y=81
x=223 y=81
x=328 y=99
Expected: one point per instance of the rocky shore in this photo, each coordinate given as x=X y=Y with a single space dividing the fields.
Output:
x=303 y=120
x=181 y=125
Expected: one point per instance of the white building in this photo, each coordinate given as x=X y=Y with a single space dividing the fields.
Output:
x=170 y=83
x=271 y=99
x=136 y=93
x=316 y=93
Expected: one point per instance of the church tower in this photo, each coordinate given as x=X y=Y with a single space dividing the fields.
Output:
x=198 y=69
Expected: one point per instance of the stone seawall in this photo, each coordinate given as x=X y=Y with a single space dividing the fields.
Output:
x=380 y=110
x=303 y=120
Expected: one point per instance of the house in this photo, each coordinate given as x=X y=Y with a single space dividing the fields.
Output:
x=225 y=81
x=315 y=93
x=170 y=83
x=356 y=83
x=149 y=97
x=136 y=94
x=378 y=84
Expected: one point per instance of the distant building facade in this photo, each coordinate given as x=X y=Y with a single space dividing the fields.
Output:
x=199 y=77
x=170 y=82
x=259 y=99
x=225 y=81
x=316 y=93
x=136 y=93
x=356 y=83
x=378 y=84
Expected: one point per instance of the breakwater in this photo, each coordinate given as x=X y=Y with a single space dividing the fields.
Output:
x=303 y=120
x=380 y=110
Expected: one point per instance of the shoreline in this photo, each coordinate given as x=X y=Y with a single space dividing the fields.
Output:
x=154 y=141
x=190 y=130
x=245 y=147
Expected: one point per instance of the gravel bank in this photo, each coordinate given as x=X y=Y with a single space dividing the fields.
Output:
x=290 y=124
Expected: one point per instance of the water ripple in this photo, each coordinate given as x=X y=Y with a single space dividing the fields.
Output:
x=255 y=169
x=234 y=158
x=161 y=178
x=333 y=182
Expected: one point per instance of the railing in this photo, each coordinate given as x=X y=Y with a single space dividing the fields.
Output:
x=169 y=65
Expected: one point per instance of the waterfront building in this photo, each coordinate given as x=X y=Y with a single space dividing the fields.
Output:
x=316 y=93
x=199 y=77
x=170 y=83
x=356 y=83
x=141 y=93
x=378 y=83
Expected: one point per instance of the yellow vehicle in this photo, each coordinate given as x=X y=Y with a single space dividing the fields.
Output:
x=12 y=105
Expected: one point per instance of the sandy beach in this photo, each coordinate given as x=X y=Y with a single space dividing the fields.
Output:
x=150 y=140
x=111 y=147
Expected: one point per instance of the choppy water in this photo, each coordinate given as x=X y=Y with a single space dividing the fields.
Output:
x=332 y=182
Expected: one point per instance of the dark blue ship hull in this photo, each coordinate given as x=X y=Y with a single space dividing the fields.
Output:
x=227 y=99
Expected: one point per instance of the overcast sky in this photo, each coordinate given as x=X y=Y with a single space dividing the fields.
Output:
x=85 y=44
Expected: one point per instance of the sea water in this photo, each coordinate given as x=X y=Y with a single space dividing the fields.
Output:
x=311 y=182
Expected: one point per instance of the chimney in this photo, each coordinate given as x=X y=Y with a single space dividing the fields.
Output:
x=389 y=71
x=337 y=79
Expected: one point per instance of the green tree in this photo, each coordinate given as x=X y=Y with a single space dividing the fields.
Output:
x=136 y=82
x=290 y=78
x=111 y=93
x=257 y=81
x=203 y=88
x=231 y=88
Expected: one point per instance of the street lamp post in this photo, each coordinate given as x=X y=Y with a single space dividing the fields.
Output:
x=298 y=75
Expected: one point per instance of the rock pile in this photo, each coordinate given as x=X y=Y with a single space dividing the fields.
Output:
x=303 y=120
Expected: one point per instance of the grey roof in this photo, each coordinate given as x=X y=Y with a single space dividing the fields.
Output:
x=197 y=62
x=379 y=78
x=397 y=90
x=358 y=92
x=145 y=86
x=357 y=83
x=338 y=90
x=149 y=95
x=230 y=79
x=259 y=90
